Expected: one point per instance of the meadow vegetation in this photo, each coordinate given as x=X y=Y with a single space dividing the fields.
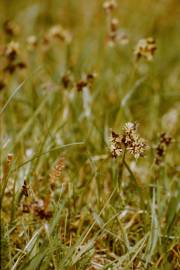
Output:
x=89 y=126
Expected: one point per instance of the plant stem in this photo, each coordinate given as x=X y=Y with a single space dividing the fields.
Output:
x=137 y=186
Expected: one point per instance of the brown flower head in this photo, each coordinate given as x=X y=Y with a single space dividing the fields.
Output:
x=67 y=79
x=12 y=50
x=40 y=210
x=113 y=32
x=165 y=141
x=109 y=5
x=81 y=84
x=145 y=48
x=25 y=189
x=11 y=28
x=129 y=141
x=59 y=33
x=2 y=84
x=86 y=81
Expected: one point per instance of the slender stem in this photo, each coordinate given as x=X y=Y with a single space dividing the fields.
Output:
x=137 y=186
x=121 y=168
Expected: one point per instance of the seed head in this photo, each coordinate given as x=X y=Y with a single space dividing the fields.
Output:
x=56 y=172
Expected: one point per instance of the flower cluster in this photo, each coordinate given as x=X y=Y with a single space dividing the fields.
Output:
x=12 y=50
x=38 y=208
x=86 y=81
x=115 y=35
x=57 y=32
x=11 y=28
x=145 y=48
x=11 y=59
x=129 y=141
x=165 y=141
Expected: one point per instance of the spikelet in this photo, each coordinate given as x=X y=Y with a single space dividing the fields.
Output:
x=56 y=172
x=7 y=165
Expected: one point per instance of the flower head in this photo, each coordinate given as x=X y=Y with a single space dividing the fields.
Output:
x=146 y=48
x=12 y=50
x=109 y=5
x=11 y=28
x=32 y=42
x=129 y=140
x=57 y=32
x=165 y=141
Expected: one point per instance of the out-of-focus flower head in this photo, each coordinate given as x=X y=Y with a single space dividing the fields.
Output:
x=11 y=28
x=32 y=42
x=165 y=141
x=146 y=48
x=57 y=32
x=12 y=50
x=109 y=5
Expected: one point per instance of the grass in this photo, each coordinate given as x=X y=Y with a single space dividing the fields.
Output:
x=66 y=203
